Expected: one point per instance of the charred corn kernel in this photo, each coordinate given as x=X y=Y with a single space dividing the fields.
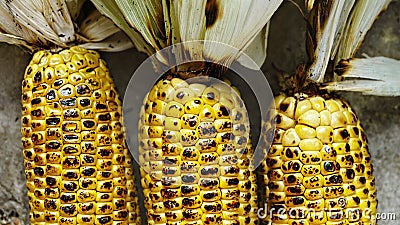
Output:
x=318 y=171
x=199 y=171
x=76 y=170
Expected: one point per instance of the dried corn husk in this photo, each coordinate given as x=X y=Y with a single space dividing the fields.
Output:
x=337 y=35
x=50 y=24
x=372 y=76
x=163 y=23
x=327 y=19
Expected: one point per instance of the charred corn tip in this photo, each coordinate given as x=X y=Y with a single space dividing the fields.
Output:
x=195 y=155
x=318 y=169
x=78 y=168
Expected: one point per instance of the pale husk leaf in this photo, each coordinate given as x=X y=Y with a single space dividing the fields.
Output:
x=191 y=29
x=360 y=21
x=309 y=4
x=325 y=32
x=107 y=37
x=144 y=16
x=9 y=26
x=114 y=43
x=110 y=9
x=74 y=7
x=57 y=16
x=257 y=50
x=49 y=24
x=14 y=40
x=372 y=76
x=95 y=33
x=31 y=16
x=163 y=23
x=237 y=25
x=341 y=34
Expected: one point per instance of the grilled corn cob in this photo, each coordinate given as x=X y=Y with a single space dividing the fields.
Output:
x=195 y=155
x=78 y=168
x=318 y=169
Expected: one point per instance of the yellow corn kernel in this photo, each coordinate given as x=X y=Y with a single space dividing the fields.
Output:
x=320 y=162
x=69 y=154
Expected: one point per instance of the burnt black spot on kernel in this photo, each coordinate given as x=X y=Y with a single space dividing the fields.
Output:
x=329 y=166
x=86 y=219
x=350 y=173
x=84 y=102
x=38 y=171
x=192 y=123
x=104 y=219
x=278 y=119
x=51 y=95
x=105 y=117
x=50 y=204
x=356 y=130
x=88 y=171
x=105 y=152
x=283 y=107
x=29 y=70
x=180 y=95
x=208 y=183
x=349 y=158
x=71 y=137
x=37 y=77
x=70 y=186
x=315 y=159
x=71 y=175
x=224 y=111
x=188 y=178
x=289 y=153
x=28 y=154
x=105 y=174
x=107 y=185
x=36 y=101
x=233 y=181
x=296 y=166
x=186 y=189
x=291 y=179
x=88 y=123
x=347 y=147
x=273 y=186
x=357 y=200
x=298 y=200
x=68 y=102
x=362 y=180
x=209 y=171
x=36 y=113
x=344 y=133
x=210 y=95
x=209 y=195
x=82 y=89
x=336 y=179
x=170 y=161
x=58 y=83
x=50 y=181
x=67 y=198
x=295 y=190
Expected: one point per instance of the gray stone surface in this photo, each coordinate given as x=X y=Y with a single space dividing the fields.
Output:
x=380 y=115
